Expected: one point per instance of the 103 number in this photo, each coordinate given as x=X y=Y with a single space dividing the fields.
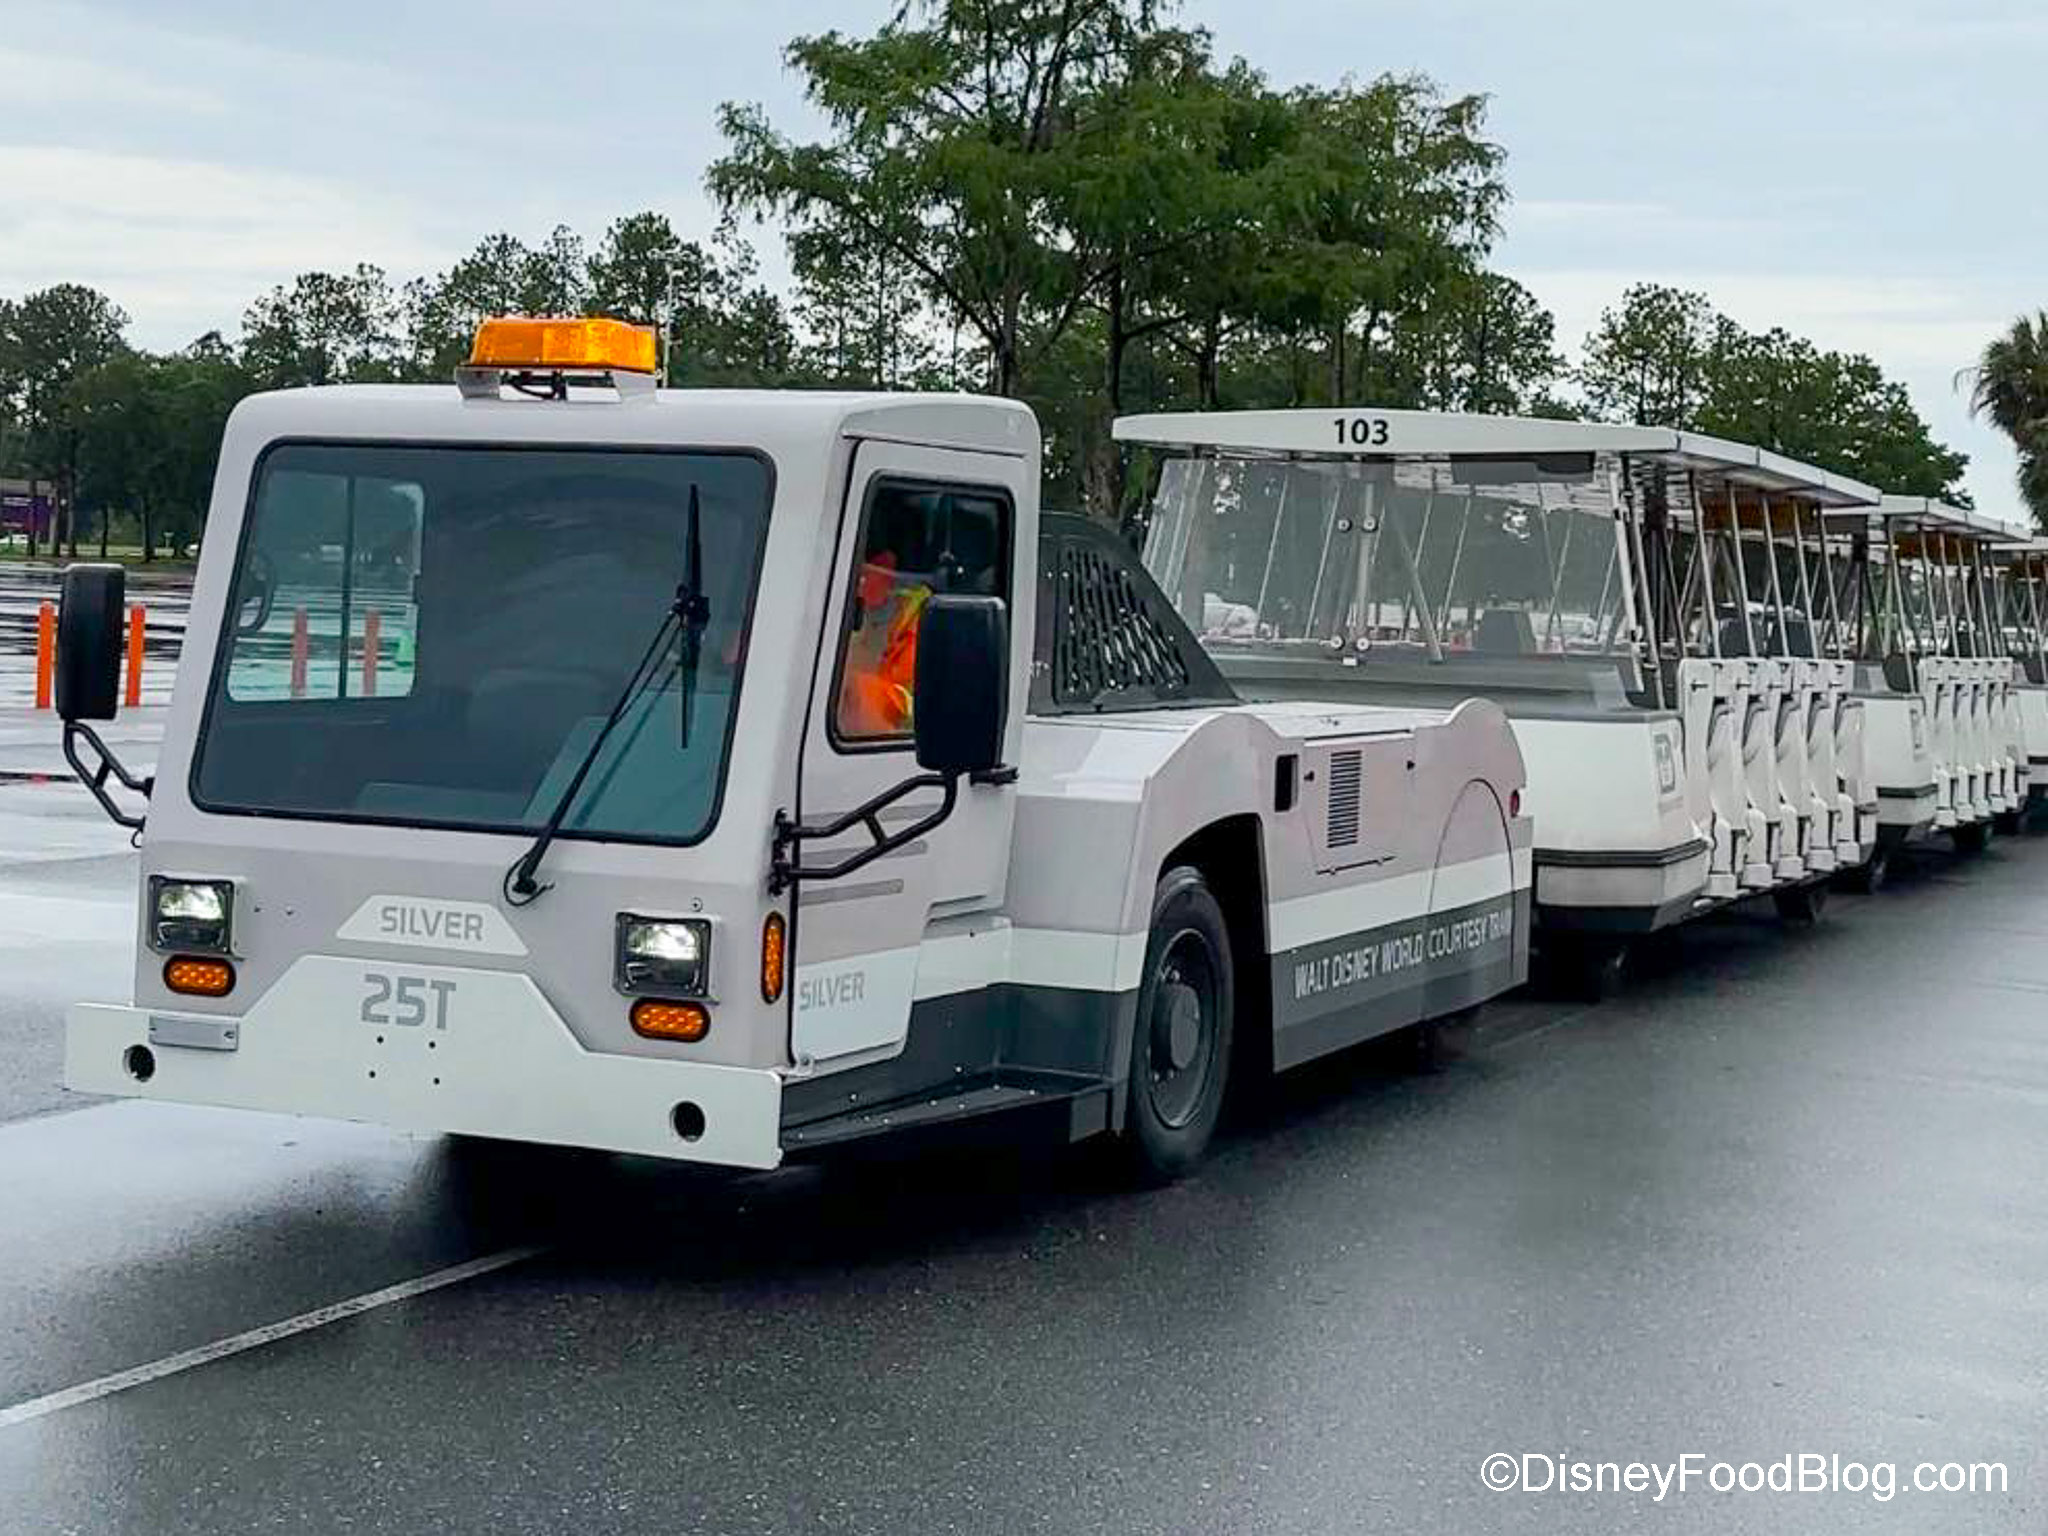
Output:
x=1362 y=431
x=405 y=1002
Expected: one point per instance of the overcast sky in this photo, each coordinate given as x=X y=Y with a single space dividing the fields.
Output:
x=1866 y=172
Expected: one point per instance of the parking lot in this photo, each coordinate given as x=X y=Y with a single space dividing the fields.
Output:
x=1780 y=1199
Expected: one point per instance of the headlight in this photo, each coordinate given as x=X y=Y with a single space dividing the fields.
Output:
x=191 y=916
x=667 y=956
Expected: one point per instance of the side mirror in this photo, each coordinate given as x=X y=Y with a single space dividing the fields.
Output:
x=89 y=642
x=962 y=686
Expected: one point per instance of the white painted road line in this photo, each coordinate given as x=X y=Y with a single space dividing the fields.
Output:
x=256 y=1338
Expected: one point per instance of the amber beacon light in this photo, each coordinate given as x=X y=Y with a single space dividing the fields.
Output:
x=598 y=345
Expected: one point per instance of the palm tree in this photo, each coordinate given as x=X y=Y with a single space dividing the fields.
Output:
x=2010 y=386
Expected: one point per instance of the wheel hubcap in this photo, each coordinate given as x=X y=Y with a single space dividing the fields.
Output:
x=1182 y=1029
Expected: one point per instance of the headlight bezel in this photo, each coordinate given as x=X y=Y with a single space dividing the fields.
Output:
x=198 y=935
x=640 y=974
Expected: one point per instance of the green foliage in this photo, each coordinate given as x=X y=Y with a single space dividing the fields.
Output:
x=324 y=328
x=1646 y=362
x=2010 y=386
x=1069 y=201
x=1665 y=358
x=150 y=430
x=953 y=143
x=1481 y=343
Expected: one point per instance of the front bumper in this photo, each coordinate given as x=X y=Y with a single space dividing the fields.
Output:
x=498 y=1061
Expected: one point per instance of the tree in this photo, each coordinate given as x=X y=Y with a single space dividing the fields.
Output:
x=951 y=139
x=324 y=328
x=1647 y=362
x=501 y=276
x=1665 y=358
x=1482 y=343
x=2010 y=386
x=865 y=313
x=1397 y=174
x=47 y=340
x=149 y=434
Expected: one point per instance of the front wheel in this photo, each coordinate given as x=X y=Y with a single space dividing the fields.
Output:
x=1972 y=839
x=1180 y=1049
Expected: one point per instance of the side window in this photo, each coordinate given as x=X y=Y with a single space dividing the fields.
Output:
x=917 y=540
x=324 y=599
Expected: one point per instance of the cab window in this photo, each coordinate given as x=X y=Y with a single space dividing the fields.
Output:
x=917 y=541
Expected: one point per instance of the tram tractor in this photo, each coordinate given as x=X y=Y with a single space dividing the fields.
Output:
x=1642 y=603
x=735 y=777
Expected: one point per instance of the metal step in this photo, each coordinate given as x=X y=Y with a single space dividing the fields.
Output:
x=1070 y=1107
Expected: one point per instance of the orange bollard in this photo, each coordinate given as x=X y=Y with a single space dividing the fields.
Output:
x=373 y=636
x=46 y=653
x=136 y=621
x=301 y=645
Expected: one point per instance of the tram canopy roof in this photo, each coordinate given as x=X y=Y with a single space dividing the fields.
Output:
x=1931 y=514
x=1364 y=433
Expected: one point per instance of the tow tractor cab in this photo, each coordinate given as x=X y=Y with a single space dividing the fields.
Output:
x=1935 y=666
x=731 y=776
x=1642 y=603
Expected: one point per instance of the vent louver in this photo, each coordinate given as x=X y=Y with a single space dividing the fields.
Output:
x=1106 y=639
x=1346 y=782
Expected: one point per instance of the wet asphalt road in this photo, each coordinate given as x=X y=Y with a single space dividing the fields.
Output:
x=1784 y=1197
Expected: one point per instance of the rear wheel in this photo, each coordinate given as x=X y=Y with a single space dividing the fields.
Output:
x=1180 y=1049
x=1802 y=905
x=1869 y=876
x=2009 y=823
x=1585 y=970
x=1973 y=839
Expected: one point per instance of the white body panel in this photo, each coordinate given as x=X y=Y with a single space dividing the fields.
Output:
x=502 y=1063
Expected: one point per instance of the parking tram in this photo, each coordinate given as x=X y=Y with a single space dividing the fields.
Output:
x=1650 y=608
x=1925 y=615
x=2022 y=594
x=732 y=777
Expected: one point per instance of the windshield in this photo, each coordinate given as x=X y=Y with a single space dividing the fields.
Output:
x=433 y=636
x=1503 y=557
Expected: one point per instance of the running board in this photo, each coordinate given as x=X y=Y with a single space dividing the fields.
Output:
x=1001 y=1106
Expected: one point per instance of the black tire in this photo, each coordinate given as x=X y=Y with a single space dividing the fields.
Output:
x=1868 y=878
x=1181 y=1045
x=1802 y=906
x=1972 y=839
x=2009 y=823
x=1585 y=970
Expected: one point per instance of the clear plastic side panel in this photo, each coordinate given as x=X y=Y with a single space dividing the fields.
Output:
x=1503 y=557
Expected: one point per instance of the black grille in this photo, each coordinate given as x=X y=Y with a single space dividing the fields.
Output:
x=1107 y=637
x=1345 y=781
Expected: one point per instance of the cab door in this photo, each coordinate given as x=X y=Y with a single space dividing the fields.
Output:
x=916 y=523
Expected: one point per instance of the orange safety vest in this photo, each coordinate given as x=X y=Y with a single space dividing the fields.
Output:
x=879 y=686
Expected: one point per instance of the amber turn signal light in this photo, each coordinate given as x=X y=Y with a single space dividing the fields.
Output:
x=687 y=1022
x=199 y=978
x=774 y=957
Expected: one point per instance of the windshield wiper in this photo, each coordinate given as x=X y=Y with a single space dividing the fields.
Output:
x=693 y=610
x=686 y=616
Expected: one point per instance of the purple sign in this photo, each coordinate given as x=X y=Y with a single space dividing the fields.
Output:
x=16 y=509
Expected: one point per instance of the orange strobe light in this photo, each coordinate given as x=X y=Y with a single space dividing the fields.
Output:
x=199 y=978
x=687 y=1022
x=595 y=345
